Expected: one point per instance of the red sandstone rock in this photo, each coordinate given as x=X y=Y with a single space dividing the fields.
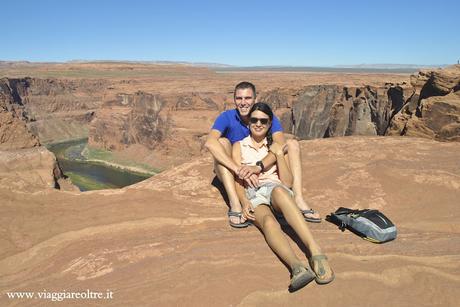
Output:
x=166 y=241
x=14 y=133
x=31 y=169
x=434 y=109
x=130 y=119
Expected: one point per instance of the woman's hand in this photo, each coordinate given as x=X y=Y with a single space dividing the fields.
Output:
x=248 y=212
x=277 y=149
x=249 y=174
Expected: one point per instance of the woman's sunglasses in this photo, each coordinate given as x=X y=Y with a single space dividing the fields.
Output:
x=254 y=120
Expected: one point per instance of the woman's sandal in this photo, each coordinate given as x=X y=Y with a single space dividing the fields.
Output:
x=321 y=270
x=300 y=278
x=239 y=215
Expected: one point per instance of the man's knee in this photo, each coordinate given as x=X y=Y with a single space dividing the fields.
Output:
x=226 y=144
x=293 y=145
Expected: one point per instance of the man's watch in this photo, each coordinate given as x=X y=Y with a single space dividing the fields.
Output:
x=261 y=164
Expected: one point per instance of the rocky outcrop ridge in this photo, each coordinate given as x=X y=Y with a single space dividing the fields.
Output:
x=31 y=170
x=433 y=110
x=194 y=102
x=14 y=133
x=328 y=110
x=128 y=120
x=56 y=109
x=166 y=241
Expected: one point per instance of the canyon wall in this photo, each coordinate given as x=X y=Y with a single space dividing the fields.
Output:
x=166 y=125
x=127 y=120
x=24 y=164
x=329 y=110
x=57 y=110
x=433 y=110
x=309 y=112
x=14 y=133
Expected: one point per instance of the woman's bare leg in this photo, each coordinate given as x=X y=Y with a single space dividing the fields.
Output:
x=275 y=237
x=282 y=201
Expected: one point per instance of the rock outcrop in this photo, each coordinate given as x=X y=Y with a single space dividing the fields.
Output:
x=194 y=102
x=56 y=110
x=31 y=170
x=14 y=133
x=166 y=241
x=328 y=110
x=433 y=110
x=128 y=120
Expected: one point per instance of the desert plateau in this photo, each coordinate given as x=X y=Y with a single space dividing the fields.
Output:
x=383 y=140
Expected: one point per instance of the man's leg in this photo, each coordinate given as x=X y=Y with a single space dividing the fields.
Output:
x=226 y=177
x=296 y=169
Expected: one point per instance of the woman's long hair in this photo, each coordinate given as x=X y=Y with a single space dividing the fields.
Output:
x=265 y=108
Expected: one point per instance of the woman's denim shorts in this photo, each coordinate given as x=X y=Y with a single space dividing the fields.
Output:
x=263 y=193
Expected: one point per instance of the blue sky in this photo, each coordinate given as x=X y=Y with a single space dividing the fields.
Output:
x=247 y=33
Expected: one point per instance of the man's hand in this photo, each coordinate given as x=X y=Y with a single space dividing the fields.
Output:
x=250 y=174
x=248 y=213
x=246 y=170
x=253 y=181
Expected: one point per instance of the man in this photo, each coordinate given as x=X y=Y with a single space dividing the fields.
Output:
x=232 y=126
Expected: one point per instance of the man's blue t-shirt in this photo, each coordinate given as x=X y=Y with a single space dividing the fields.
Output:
x=232 y=127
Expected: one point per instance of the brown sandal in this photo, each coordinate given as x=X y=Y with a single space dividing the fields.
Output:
x=322 y=271
x=300 y=278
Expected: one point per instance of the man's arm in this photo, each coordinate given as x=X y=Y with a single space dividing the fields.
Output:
x=218 y=151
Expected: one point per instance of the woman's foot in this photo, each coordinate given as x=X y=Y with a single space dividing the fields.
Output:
x=301 y=277
x=320 y=265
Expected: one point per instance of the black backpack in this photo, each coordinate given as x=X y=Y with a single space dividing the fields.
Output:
x=369 y=224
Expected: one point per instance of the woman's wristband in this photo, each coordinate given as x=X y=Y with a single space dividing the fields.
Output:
x=261 y=165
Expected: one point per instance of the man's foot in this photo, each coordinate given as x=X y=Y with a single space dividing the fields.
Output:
x=237 y=220
x=309 y=214
x=320 y=265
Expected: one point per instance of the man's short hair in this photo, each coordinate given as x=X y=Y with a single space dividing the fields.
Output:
x=244 y=85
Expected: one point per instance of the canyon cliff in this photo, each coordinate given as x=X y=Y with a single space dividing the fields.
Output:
x=14 y=133
x=55 y=110
x=329 y=110
x=433 y=110
x=313 y=111
x=163 y=121
x=130 y=119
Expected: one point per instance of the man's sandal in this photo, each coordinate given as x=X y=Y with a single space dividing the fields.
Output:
x=239 y=215
x=310 y=219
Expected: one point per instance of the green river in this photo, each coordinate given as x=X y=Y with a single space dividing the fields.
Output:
x=89 y=175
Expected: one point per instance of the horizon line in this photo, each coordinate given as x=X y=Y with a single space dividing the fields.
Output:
x=222 y=65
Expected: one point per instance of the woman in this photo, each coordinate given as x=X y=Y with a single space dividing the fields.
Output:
x=273 y=194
